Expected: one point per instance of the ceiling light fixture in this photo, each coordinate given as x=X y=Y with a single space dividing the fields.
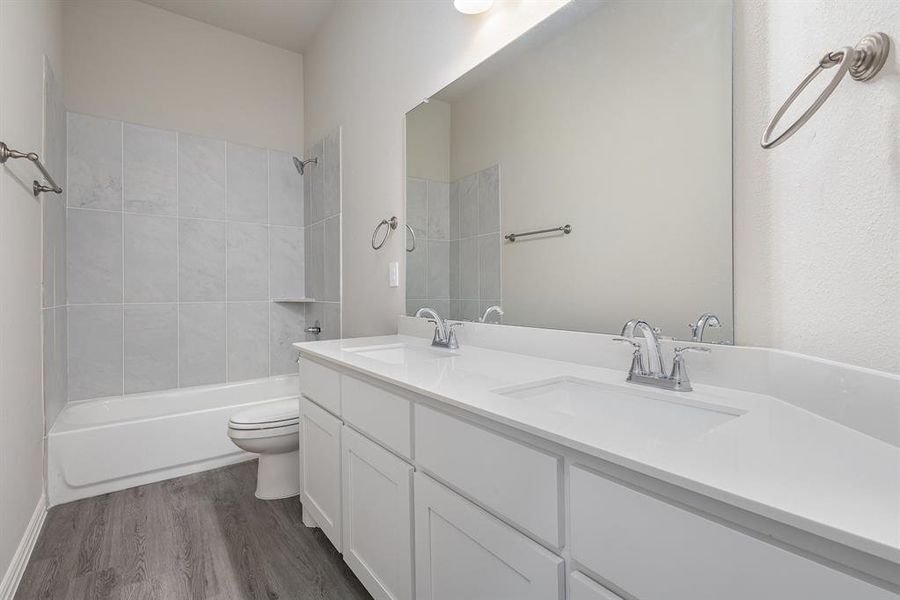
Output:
x=473 y=7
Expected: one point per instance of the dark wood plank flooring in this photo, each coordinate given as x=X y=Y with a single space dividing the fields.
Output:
x=199 y=537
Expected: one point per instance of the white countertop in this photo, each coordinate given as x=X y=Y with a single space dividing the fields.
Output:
x=775 y=460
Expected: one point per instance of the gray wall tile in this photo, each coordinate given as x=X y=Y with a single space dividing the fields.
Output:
x=316 y=197
x=417 y=206
x=454 y=269
x=54 y=250
x=150 y=170
x=468 y=310
x=201 y=177
x=489 y=266
x=201 y=343
x=286 y=268
x=416 y=263
x=438 y=270
x=248 y=340
x=94 y=256
x=55 y=361
x=151 y=258
x=286 y=324
x=151 y=333
x=414 y=304
x=438 y=211
x=201 y=268
x=315 y=260
x=331 y=174
x=285 y=190
x=248 y=262
x=332 y=329
x=454 y=309
x=442 y=306
x=95 y=351
x=468 y=268
x=94 y=162
x=332 y=278
x=489 y=200
x=468 y=206
x=454 y=210
x=247 y=181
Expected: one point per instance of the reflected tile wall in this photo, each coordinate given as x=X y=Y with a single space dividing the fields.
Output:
x=456 y=267
x=174 y=246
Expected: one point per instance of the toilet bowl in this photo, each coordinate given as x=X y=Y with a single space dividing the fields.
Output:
x=273 y=432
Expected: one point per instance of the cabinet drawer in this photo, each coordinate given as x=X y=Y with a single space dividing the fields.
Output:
x=657 y=551
x=464 y=553
x=321 y=385
x=583 y=587
x=377 y=412
x=518 y=482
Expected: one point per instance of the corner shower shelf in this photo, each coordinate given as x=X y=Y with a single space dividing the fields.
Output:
x=294 y=300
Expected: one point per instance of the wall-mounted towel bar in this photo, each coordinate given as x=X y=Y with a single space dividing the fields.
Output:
x=37 y=187
x=863 y=62
x=566 y=229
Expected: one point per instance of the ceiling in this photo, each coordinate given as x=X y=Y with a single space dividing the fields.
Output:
x=289 y=24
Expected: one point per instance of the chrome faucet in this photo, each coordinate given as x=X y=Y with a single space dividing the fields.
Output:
x=444 y=336
x=651 y=372
x=699 y=328
x=491 y=309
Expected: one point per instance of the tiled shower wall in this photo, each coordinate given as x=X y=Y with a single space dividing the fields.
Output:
x=53 y=208
x=177 y=245
x=322 y=216
x=455 y=267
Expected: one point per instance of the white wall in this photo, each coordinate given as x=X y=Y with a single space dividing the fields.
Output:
x=637 y=159
x=369 y=64
x=817 y=220
x=134 y=62
x=428 y=141
x=28 y=31
x=817 y=252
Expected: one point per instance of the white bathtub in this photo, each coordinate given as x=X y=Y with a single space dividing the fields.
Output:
x=109 y=444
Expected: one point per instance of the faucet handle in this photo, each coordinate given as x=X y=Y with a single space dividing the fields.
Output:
x=626 y=340
x=680 y=350
x=637 y=358
x=679 y=374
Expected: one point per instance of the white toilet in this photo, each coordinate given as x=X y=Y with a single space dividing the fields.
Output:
x=271 y=430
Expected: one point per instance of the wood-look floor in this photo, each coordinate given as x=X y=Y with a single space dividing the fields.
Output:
x=200 y=537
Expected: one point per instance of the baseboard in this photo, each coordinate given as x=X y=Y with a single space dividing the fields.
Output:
x=13 y=576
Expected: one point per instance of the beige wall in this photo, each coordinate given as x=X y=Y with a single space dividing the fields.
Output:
x=370 y=63
x=131 y=61
x=428 y=141
x=28 y=31
x=637 y=160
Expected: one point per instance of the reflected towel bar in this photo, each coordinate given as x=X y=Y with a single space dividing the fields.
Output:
x=566 y=229
x=6 y=153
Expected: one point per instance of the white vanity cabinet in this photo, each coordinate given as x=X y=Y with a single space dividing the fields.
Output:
x=377 y=517
x=320 y=469
x=463 y=553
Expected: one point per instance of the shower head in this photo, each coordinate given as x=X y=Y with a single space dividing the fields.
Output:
x=301 y=164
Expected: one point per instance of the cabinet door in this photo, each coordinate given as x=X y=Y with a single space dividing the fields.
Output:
x=320 y=469
x=377 y=491
x=464 y=553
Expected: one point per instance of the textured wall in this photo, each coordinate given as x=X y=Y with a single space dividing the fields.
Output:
x=817 y=220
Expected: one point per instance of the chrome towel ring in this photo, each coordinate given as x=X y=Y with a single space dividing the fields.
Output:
x=390 y=225
x=413 y=234
x=863 y=62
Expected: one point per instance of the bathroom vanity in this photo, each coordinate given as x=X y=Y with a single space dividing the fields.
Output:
x=484 y=473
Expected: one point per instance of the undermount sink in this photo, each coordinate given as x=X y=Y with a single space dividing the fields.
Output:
x=400 y=354
x=648 y=414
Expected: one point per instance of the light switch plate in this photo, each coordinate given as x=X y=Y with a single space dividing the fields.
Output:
x=394 y=274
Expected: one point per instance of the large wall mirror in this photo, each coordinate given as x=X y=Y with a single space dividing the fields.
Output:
x=611 y=118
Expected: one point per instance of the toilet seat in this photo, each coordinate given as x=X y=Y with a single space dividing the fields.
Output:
x=270 y=416
x=249 y=433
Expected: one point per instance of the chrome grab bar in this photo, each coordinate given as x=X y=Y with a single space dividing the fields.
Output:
x=566 y=229
x=862 y=62
x=36 y=187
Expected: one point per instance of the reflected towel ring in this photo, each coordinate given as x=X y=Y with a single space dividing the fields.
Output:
x=413 y=234
x=862 y=62
x=391 y=225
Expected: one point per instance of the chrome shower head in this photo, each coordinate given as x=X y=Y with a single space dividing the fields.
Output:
x=301 y=164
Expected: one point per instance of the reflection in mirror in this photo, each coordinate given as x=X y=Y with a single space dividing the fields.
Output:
x=612 y=118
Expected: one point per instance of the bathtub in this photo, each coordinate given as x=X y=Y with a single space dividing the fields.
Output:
x=110 y=444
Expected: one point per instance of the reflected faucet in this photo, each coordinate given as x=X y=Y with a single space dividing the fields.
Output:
x=491 y=309
x=444 y=336
x=699 y=328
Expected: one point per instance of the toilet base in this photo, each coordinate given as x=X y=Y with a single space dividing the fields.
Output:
x=278 y=476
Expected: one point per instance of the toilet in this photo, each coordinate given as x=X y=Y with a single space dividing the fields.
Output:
x=272 y=431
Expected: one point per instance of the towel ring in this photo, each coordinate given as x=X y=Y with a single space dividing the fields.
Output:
x=413 y=234
x=390 y=224
x=863 y=62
